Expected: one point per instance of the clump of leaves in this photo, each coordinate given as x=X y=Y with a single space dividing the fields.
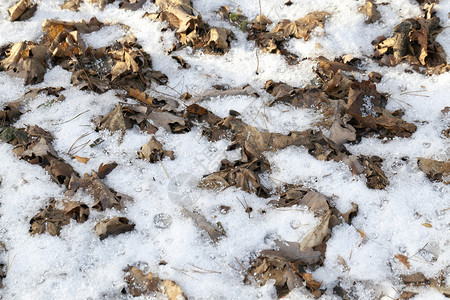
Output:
x=191 y=30
x=25 y=60
x=287 y=267
x=274 y=41
x=52 y=218
x=139 y=284
x=414 y=41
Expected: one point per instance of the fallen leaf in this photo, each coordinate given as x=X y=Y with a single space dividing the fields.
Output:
x=83 y=160
x=435 y=170
x=168 y=121
x=132 y=4
x=113 y=226
x=340 y=133
x=214 y=232
x=363 y=236
x=413 y=279
x=153 y=151
x=218 y=40
x=141 y=285
x=404 y=260
x=105 y=169
x=27 y=61
x=181 y=61
x=71 y=4
x=115 y=121
x=290 y=251
x=104 y=197
x=318 y=234
x=302 y=28
x=371 y=12
x=51 y=219
x=22 y=10
x=310 y=281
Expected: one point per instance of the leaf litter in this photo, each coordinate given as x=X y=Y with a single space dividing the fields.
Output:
x=352 y=109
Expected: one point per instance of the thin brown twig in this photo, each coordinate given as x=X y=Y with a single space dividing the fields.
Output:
x=81 y=137
x=162 y=165
x=242 y=266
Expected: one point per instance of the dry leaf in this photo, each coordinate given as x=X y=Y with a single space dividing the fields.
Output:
x=166 y=120
x=27 y=61
x=103 y=196
x=153 y=151
x=22 y=10
x=113 y=226
x=71 y=4
x=319 y=233
x=82 y=159
x=427 y=225
x=290 y=251
x=363 y=236
x=105 y=169
x=302 y=28
x=214 y=232
x=404 y=260
x=435 y=170
x=51 y=219
x=371 y=11
x=132 y=4
x=413 y=279
x=141 y=285
x=114 y=121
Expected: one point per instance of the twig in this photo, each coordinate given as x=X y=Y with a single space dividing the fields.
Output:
x=167 y=174
x=206 y=271
x=81 y=137
x=256 y=49
x=72 y=118
x=242 y=266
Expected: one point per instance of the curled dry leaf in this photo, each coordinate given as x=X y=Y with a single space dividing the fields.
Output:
x=435 y=170
x=415 y=42
x=10 y=113
x=141 y=285
x=105 y=169
x=113 y=226
x=218 y=40
x=404 y=260
x=22 y=10
x=371 y=12
x=153 y=151
x=181 y=61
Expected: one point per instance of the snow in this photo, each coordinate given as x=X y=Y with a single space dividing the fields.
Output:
x=77 y=265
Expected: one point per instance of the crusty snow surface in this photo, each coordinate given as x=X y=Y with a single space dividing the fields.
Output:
x=77 y=265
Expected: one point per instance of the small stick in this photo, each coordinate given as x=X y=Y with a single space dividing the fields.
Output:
x=167 y=174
